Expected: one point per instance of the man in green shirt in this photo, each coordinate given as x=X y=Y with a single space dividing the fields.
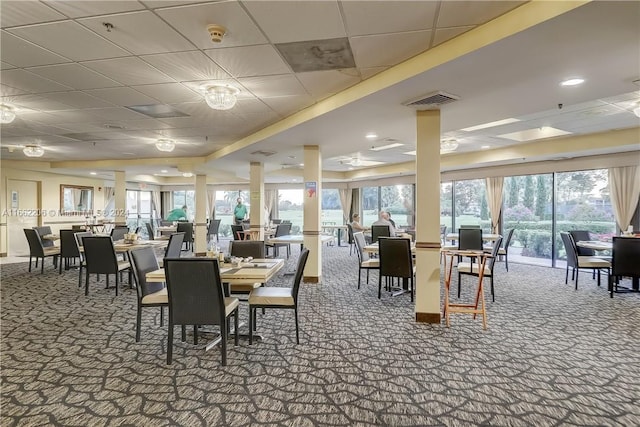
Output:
x=177 y=214
x=239 y=212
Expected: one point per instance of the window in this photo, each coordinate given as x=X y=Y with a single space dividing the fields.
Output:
x=331 y=207
x=370 y=205
x=446 y=205
x=182 y=198
x=225 y=203
x=398 y=201
x=140 y=210
x=290 y=208
x=470 y=204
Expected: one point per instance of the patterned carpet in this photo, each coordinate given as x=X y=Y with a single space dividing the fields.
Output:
x=551 y=356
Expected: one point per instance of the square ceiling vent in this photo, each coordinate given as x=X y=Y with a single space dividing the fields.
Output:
x=318 y=55
x=431 y=100
x=157 y=111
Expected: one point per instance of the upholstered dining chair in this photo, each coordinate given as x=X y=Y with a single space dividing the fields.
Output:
x=473 y=268
x=68 y=248
x=213 y=229
x=580 y=236
x=396 y=261
x=378 y=231
x=38 y=251
x=237 y=231
x=247 y=248
x=79 y=236
x=196 y=297
x=504 y=251
x=350 y=240
x=43 y=231
x=275 y=298
x=364 y=262
x=118 y=232
x=625 y=261
x=577 y=262
x=100 y=258
x=150 y=294
x=283 y=229
x=187 y=229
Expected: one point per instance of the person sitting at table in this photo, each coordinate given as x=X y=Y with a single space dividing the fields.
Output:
x=178 y=214
x=355 y=224
x=390 y=220
x=384 y=220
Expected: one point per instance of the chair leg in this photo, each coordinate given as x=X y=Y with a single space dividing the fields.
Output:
x=195 y=334
x=251 y=315
x=80 y=275
x=223 y=344
x=566 y=276
x=297 y=326
x=236 y=325
x=359 y=274
x=170 y=343
x=493 y=297
x=117 y=283
x=506 y=261
x=138 y=321
x=86 y=283
x=30 y=263
x=598 y=276
x=161 y=315
x=577 y=270
x=367 y=276
x=459 y=280
x=42 y=267
x=184 y=333
x=379 y=286
x=411 y=289
x=60 y=266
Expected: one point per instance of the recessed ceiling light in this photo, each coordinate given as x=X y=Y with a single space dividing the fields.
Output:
x=371 y=135
x=350 y=168
x=292 y=157
x=485 y=147
x=187 y=174
x=387 y=147
x=491 y=124
x=164 y=171
x=410 y=153
x=300 y=164
x=93 y=173
x=572 y=82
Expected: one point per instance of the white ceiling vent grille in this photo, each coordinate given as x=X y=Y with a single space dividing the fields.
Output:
x=431 y=100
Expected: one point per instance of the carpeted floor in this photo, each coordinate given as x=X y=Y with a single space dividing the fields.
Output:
x=551 y=356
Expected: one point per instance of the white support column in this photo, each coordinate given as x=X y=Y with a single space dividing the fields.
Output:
x=256 y=192
x=120 y=199
x=200 y=220
x=428 y=217
x=312 y=212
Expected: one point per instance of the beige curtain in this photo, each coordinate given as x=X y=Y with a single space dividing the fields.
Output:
x=494 y=200
x=624 y=187
x=346 y=194
x=155 y=199
x=270 y=197
x=211 y=203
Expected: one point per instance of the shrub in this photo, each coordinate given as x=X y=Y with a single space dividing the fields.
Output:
x=518 y=213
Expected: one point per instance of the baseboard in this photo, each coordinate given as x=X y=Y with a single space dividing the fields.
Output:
x=311 y=279
x=428 y=317
x=3 y=254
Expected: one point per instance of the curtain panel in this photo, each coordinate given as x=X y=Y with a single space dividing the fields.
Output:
x=346 y=195
x=270 y=197
x=494 y=199
x=624 y=187
x=211 y=203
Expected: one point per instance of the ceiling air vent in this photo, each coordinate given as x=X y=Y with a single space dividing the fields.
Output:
x=263 y=153
x=431 y=100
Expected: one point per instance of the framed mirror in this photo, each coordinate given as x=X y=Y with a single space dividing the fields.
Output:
x=76 y=198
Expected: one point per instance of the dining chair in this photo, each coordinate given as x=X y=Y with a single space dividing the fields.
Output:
x=247 y=248
x=443 y=234
x=187 y=229
x=504 y=251
x=174 y=247
x=150 y=294
x=237 y=231
x=212 y=229
x=79 y=236
x=43 y=231
x=38 y=251
x=379 y=231
x=396 y=261
x=364 y=262
x=577 y=262
x=350 y=240
x=196 y=297
x=625 y=261
x=283 y=229
x=277 y=297
x=118 y=232
x=100 y=257
x=473 y=268
x=68 y=248
x=580 y=236
x=276 y=221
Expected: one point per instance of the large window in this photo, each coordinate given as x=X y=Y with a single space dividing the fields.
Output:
x=331 y=207
x=370 y=205
x=398 y=201
x=446 y=205
x=470 y=204
x=290 y=208
x=182 y=198
x=140 y=210
x=224 y=205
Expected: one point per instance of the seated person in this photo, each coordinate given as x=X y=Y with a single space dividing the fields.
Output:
x=384 y=220
x=178 y=214
x=390 y=220
x=355 y=224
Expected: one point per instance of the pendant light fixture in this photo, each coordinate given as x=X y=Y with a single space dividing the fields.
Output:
x=7 y=114
x=33 y=151
x=221 y=97
x=165 y=144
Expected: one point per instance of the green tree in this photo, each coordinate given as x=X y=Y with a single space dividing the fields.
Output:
x=529 y=193
x=541 y=197
x=484 y=209
x=512 y=200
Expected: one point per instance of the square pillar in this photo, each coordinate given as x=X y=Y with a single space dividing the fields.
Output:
x=200 y=219
x=312 y=212
x=256 y=193
x=428 y=216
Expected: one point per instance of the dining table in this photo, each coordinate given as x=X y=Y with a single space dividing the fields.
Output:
x=489 y=237
x=339 y=228
x=373 y=248
x=297 y=238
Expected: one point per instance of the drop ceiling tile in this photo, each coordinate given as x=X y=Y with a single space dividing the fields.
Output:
x=77 y=100
x=251 y=106
x=71 y=40
x=247 y=61
x=60 y=118
x=286 y=105
x=16 y=13
x=75 y=76
x=77 y=9
x=122 y=96
x=371 y=17
x=168 y=3
x=140 y=33
x=185 y=66
x=129 y=71
x=370 y=72
x=444 y=34
x=146 y=125
x=29 y=82
x=21 y=53
x=321 y=84
x=285 y=22
x=388 y=49
x=465 y=13
x=10 y=91
x=197 y=109
x=169 y=93
x=265 y=86
x=36 y=102
x=5 y=65
x=192 y=22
